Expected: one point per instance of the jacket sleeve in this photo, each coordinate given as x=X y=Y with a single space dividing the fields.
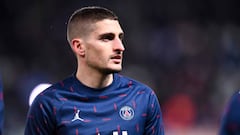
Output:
x=230 y=122
x=41 y=117
x=154 y=125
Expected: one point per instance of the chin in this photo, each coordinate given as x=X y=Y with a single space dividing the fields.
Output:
x=116 y=70
x=112 y=70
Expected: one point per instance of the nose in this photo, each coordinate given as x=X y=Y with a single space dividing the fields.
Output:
x=118 y=45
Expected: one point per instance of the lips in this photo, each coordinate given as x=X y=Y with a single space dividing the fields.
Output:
x=117 y=58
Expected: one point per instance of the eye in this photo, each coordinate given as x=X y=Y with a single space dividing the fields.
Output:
x=121 y=36
x=107 y=37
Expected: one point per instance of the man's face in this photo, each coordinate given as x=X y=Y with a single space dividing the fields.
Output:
x=104 y=47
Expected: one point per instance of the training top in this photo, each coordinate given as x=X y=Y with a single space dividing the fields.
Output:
x=126 y=107
x=230 y=124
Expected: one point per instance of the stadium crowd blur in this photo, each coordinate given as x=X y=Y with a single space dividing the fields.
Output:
x=187 y=51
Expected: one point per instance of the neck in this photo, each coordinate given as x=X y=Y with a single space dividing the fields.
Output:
x=94 y=79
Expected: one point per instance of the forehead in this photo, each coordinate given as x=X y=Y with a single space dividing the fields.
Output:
x=108 y=26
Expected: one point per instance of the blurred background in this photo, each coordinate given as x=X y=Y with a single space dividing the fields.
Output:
x=187 y=51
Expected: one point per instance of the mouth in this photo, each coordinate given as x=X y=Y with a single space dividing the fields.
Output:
x=117 y=59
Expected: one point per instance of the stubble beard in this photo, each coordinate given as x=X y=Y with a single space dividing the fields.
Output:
x=110 y=71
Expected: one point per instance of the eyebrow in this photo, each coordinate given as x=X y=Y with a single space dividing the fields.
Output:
x=107 y=35
x=110 y=35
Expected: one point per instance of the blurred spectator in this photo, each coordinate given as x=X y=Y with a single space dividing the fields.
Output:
x=179 y=111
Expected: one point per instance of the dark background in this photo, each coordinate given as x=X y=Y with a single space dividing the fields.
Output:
x=187 y=51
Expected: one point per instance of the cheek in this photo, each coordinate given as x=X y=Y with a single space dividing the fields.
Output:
x=97 y=54
x=96 y=57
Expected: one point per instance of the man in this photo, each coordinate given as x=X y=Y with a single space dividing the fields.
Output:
x=230 y=124
x=96 y=100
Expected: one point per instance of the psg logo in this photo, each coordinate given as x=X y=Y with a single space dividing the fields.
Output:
x=126 y=113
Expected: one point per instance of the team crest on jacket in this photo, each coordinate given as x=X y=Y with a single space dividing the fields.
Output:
x=126 y=113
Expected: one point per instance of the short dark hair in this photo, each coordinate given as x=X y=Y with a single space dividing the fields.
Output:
x=79 y=24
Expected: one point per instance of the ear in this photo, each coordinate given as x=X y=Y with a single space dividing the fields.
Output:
x=78 y=47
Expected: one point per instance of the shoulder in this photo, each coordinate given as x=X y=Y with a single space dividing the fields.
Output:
x=129 y=80
x=235 y=97
x=53 y=93
x=233 y=104
x=135 y=84
x=237 y=93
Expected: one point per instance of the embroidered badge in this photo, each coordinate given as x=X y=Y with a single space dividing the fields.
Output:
x=126 y=113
